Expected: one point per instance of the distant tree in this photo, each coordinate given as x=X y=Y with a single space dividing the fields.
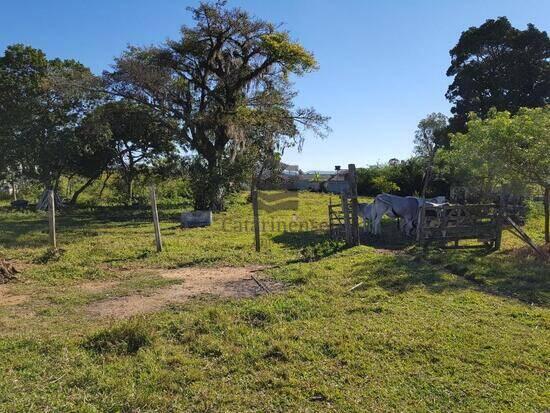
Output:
x=41 y=105
x=210 y=82
x=127 y=136
x=505 y=149
x=407 y=175
x=403 y=178
x=430 y=136
x=497 y=65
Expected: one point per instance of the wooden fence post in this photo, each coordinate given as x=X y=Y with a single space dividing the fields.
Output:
x=51 y=219
x=256 y=212
x=352 y=181
x=330 y=229
x=420 y=221
x=156 y=221
x=501 y=213
x=345 y=212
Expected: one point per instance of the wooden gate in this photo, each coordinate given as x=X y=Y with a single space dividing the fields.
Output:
x=336 y=223
x=343 y=218
x=453 y=223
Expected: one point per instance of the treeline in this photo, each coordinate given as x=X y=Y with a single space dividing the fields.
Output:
x=214 y=107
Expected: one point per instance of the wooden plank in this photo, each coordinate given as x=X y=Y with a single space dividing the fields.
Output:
x=451 y=223
x=352 y=181
x=347 y=226
x=51 y=220
x=156 y=221
x=256 y=213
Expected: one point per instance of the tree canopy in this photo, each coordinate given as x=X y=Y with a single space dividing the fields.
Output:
x=126 y=136
x=41 y=108
x=504 y=149
x=497 y=65
x=228 y=71
x=431 y=135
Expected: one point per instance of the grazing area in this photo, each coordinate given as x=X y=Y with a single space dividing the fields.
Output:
x=177 y=233
x=107 y=324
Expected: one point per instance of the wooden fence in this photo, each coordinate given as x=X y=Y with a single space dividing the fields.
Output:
x=336 y=223
x=453 y=223
x=343 y=217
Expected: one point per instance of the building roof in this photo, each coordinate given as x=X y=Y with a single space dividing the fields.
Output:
x=339 y=175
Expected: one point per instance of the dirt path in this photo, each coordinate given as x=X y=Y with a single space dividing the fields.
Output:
x=221 y=282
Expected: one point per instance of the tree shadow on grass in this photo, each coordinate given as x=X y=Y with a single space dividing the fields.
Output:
x=503 y=272
x=27 y=234
x=300 y=239
x=439 y=270
x=400 y=273
x=391 y=238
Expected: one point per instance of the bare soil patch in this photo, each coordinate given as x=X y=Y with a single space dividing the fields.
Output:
x=7 y=299
x=221 y=282
x=97 y=286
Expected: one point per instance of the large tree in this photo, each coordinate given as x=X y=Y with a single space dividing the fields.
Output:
x=497 y=65
x=224 y=66
x=41 y=105
x=22 y=72
x=505 y=150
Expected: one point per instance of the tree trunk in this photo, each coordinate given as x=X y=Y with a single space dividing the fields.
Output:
x=80 y=190
x=104 y=185
x=547 y=214
x=130 y=183
x=14 y=191
x=56 y=183
x=211 y=195
x=427 y=177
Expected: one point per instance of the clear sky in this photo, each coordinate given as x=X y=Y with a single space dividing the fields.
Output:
x=383 y=63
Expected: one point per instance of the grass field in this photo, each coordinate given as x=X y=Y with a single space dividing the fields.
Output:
x=446 y=331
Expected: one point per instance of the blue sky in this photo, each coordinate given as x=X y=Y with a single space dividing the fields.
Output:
x=383 y=63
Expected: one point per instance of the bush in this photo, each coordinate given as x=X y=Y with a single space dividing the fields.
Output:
x=404 y=178
x=382 y=184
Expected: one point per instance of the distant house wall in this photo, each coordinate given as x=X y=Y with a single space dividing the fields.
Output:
x=336 y=187
x=337 y=184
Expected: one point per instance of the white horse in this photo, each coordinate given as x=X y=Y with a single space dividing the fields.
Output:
x=405 y=208
x=364 y=210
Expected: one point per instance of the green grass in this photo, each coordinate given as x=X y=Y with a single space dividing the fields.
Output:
x=446 y=331
x=94 y=240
